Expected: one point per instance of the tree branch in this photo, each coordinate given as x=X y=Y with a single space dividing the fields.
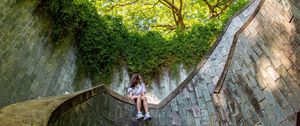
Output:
x=174 y=16
x=223 y=8
x=153 y=5
x=180 y=16
x=140 y=10
x=217 y=4
x=170 y=4
x=165 y=4
x=181 y=4
x=170 y=27
x=148 y=8
x=210 y=7
x=121 y=5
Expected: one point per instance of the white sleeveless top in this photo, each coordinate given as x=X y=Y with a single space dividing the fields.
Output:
x=138 y=89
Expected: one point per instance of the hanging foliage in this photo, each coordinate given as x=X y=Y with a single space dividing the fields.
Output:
x=107 y=31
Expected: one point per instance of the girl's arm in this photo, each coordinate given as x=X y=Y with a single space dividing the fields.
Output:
x=143 y=87
x=143 y=90
x=130 y=94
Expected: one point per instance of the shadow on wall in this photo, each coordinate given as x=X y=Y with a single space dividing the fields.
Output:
x=263 y=82
x=278 y=66
x=296 y=57
x=296 y=21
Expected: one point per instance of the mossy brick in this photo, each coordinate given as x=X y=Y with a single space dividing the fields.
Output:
x=206 y=93
x=6 y=55
x=155 y=120
x=162 y=118
x=193 y=97
x=168 y=114
x=119 y=113
x=112 y=113
x=190 y=119
x=198 y=92
x=182 y=115
x=201 y=103
x=210 y=108
x=174 y=106
x=1 y=17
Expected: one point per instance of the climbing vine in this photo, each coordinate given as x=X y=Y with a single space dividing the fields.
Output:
x=104 y=41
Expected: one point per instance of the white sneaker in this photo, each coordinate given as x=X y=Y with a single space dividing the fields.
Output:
x=147 y=117
x=139 y=116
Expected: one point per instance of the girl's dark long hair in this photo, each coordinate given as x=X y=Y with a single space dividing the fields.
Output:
x=134 y=80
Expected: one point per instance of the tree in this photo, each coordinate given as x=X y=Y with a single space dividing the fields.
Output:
x=165 y=15
x=176 y=12
x=218 y=7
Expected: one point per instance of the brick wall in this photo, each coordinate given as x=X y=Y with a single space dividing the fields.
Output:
x=29 y=66
x=262 y=85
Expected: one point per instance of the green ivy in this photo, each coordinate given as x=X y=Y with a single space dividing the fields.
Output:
x=103 y=41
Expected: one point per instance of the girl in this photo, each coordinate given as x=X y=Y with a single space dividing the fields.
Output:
x=137 y=92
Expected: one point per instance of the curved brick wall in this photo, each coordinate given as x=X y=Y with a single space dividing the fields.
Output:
x=251 y=78
x=260 y=85
x=29 y=66
x=193 y=105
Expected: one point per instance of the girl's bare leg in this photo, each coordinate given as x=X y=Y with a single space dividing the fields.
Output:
x=145 y=103
x=138 y=103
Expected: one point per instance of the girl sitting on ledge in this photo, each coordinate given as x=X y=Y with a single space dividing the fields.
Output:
x=137 y=92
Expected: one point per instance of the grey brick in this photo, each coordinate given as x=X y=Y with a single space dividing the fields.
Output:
x=198 y=91
x=175 y=118
x=174 y=106
x=196 y=111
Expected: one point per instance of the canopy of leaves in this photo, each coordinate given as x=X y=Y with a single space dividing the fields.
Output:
x=161 y=15
x=136 y=32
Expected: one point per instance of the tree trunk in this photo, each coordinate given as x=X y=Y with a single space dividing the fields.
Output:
x=180 y=21
x=177 y=12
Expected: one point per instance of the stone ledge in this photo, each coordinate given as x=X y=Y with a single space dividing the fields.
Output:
x=41 y=111
x=33 y=112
